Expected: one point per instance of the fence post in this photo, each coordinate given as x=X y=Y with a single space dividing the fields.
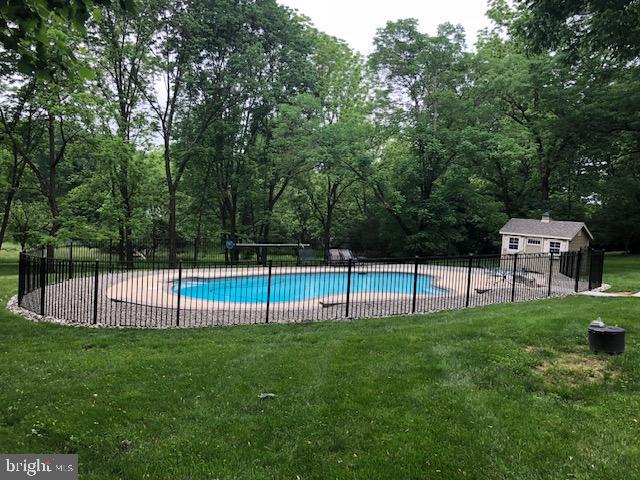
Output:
x=43 y=283
x=195 y=252
x=600 y=271
x=550 y=273
x=21 y=272
x=266 y=320
x=27 y=274
x=590 y=266
x=70 y=260
x=470 y=264
x=346 y=310
x=96 y=280
x=578 y=258
x=415 y=285
x=179 y=292
x=110 y=255
x=513 y=285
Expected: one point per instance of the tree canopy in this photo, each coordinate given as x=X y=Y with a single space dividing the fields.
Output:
x=165 y=120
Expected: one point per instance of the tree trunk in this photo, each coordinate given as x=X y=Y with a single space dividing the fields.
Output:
x=129 y=242
x=16 y=176
x=5 y=215
x=50 y=188
x=627 y=244
x=503 y=183
x=326 y=240
x=266 y=225
x=127 y=211
x=328 y=223
x=264 y=237
x=326 y=232
x=265 y=228
x=171 y=234
x=121 y=245
x=544 y=166
x=203 y=202
x=380 y=195
x=171 y=188
x=427 y=180
x=545 y=173
x=233 y=226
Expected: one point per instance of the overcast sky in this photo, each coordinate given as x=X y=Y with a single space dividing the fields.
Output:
x=356 y=21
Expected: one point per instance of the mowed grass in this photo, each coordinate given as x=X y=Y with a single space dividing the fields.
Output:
x=622 y=272
x=502 y=392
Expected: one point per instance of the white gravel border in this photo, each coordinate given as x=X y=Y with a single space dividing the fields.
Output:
x=12 y=306
x=121 y=312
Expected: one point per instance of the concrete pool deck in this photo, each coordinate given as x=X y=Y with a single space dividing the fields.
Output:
x=156 y=289
x=145 y=299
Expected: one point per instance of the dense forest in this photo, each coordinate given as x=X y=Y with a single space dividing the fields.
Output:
x=237 y=119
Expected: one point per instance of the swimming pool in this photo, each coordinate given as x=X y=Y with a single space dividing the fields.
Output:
x=289 y=287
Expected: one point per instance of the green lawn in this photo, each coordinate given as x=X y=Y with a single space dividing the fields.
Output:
x=500 y=392
x=622 y=272
x=9 y=250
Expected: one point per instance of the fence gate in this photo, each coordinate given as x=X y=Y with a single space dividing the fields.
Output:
x=596 y=268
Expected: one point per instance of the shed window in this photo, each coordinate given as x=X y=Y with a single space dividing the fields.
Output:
x=533 y=241
x=554 y=247
x=514 y=242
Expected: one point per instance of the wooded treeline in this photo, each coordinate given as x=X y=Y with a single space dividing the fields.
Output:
x=237 y=119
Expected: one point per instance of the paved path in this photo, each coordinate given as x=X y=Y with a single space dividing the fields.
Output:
x=601 y=292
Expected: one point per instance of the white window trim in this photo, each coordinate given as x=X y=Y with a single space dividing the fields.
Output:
x=552 y=248
x=517 y=247
x=512 y=234
x=534 y=241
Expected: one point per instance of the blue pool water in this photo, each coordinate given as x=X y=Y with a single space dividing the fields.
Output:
x=301 y=286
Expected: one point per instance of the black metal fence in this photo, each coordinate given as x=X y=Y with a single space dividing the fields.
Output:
x=147 y=254
x=215 y=292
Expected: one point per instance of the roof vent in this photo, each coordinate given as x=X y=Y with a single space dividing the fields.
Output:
x=546 y=217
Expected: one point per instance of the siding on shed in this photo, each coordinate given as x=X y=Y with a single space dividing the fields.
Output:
x=581 y=240
x=524 y=247
x=533 y=248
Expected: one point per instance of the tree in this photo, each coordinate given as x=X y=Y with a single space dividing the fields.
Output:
x=618 y=221
x=171 y=57
x=340 y=143
x=120 y=39
x=19 y=133
x=89 y=208
x=250 y=60
x=39 y=33
x=63 y=105
x=581 y=28
x=535 y=94
x=598 y=44
x=238 y=120
x=286 y=154
x=423 y=80
x=28 y=224
x=337 y=145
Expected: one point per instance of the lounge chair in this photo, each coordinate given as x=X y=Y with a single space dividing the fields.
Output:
x=341 y=257
x=139 y=255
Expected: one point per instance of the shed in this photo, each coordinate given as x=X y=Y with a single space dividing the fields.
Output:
x=525 y=235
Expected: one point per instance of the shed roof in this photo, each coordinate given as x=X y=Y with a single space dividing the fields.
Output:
x=552 y=229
